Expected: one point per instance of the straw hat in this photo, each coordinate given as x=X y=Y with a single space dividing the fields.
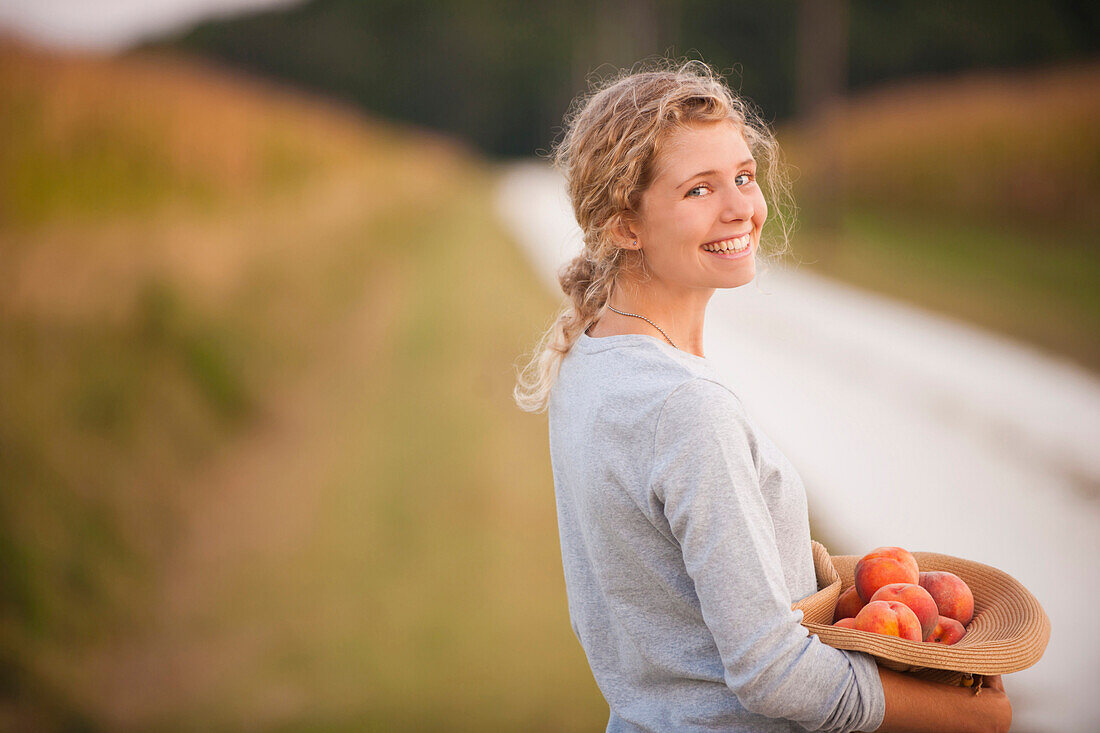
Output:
x=1009 y=632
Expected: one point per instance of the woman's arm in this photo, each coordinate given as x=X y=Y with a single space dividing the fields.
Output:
x=705 y=483
x=914 y=705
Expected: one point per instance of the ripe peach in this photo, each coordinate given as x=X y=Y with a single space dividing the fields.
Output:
x=883 y=566
x=951 y=594
x=846 y=623
x=901 y=555
x=848 y=605
x=947 y=631
x=918 y=599
x=890 y=618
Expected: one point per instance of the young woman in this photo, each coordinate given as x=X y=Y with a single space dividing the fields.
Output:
x=684 y=531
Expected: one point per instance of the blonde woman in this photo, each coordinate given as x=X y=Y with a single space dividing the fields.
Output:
x=684 y=531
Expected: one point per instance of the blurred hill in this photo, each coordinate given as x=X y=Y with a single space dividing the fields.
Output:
x=260 y=463
x=976 y=196
x=500 y=74
x=1018 y=147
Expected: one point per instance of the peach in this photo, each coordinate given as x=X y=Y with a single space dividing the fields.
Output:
x=883 y=566
x=846 y=623
x=947 y=631
x=901 y=555
x=890 y=618
x=951 y=594
x=848 y=605
x=918 y=599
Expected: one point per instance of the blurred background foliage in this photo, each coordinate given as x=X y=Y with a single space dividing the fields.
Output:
x=260 y=466
x=500 y=74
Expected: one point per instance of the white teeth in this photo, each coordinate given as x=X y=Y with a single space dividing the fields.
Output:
x=727 y=245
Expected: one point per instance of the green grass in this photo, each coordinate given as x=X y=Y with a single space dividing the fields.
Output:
x=424 y=590
x=99 y=169
x=330 y=416
x=429 y=594
x=1042 y=287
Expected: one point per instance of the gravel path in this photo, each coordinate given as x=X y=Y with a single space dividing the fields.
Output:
x=908 y=429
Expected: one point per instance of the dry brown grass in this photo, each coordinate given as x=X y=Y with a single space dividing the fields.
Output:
x=200 y=122
x=204 y=130
x=372 y=542
x=1020 y=147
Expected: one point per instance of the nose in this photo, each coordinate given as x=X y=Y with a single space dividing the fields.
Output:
x=736 y=206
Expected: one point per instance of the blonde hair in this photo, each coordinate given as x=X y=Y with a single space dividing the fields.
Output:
x=613 y=137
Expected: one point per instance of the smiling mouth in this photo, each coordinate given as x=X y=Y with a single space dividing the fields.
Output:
x=734 y=244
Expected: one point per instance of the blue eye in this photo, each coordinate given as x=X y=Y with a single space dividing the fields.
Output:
x=748 y=179
x=697 y=188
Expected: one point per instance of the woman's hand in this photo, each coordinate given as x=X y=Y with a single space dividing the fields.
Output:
x=914 y=705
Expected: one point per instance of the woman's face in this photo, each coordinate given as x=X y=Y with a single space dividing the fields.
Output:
x=699 y=222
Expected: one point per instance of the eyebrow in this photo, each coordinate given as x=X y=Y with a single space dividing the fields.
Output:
x=712 y=171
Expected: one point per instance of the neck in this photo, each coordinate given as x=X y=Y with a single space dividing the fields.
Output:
x=679 y=312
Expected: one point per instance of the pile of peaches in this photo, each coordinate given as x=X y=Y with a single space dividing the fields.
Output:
x=892 y=596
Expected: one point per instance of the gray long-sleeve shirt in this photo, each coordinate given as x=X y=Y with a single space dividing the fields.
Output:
x=685 y=538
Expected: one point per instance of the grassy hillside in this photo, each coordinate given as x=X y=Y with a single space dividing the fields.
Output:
x=261 y=465
x=978 y=197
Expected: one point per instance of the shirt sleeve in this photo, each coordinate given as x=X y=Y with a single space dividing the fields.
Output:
x=704 y=475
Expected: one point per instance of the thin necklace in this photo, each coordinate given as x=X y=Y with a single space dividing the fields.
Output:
x=635 y=315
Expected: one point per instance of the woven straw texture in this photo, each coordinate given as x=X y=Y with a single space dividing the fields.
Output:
x=1009 y=632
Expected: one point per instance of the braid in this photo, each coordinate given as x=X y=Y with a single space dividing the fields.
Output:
x=587 y=285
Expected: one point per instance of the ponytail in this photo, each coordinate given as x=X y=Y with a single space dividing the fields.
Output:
x=587 y=286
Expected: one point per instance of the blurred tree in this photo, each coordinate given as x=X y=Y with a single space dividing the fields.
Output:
x=822 y=54
x=822 y=65
x=500 y=74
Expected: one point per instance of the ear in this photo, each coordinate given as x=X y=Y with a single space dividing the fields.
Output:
x=624 y=229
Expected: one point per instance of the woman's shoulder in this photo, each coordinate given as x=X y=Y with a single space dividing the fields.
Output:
x=702 y=399
x=700 y=412
x=636 y=377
